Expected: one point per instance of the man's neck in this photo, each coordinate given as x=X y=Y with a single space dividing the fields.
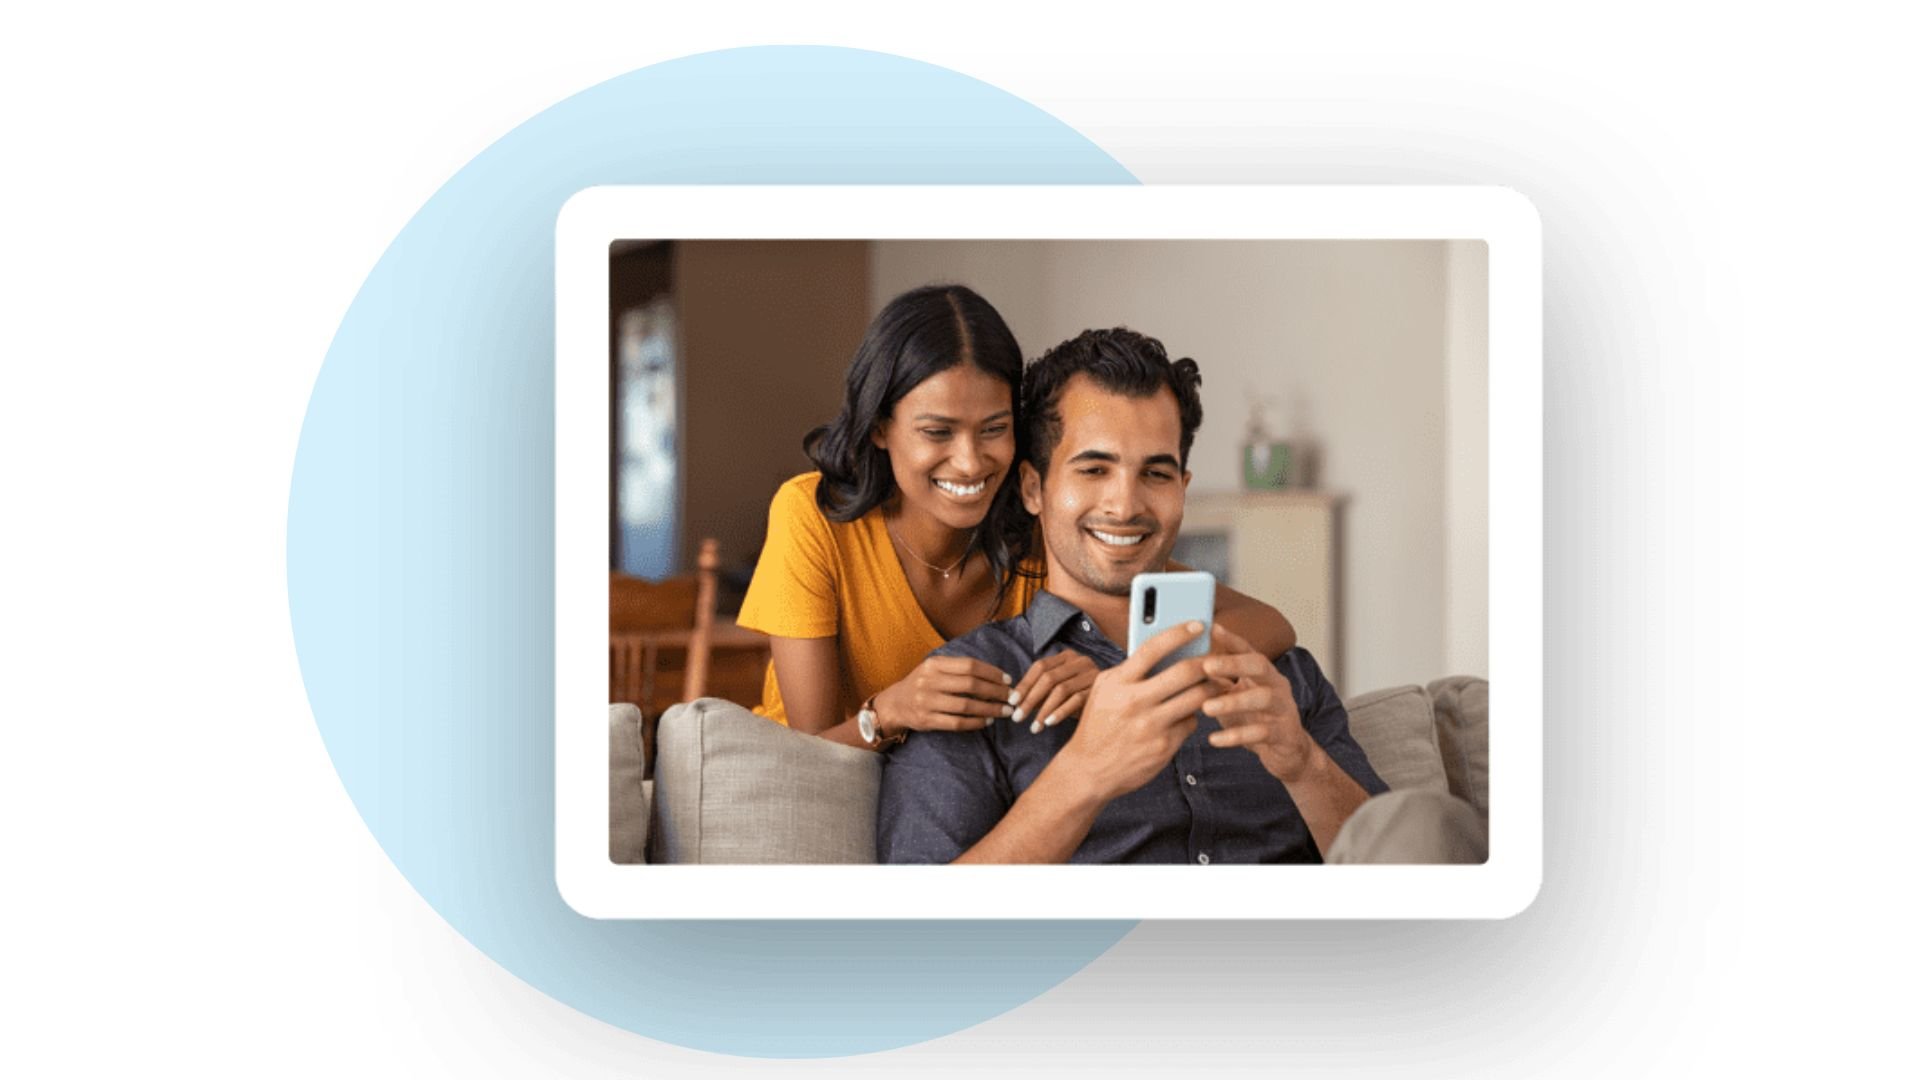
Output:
x=1109 y=613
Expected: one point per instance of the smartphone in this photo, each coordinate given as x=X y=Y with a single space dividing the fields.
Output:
x=1170 y=599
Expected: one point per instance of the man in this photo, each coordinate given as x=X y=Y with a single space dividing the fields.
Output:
x=1230 y=757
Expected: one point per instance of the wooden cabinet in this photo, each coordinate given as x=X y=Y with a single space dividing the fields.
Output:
x=1279 y=546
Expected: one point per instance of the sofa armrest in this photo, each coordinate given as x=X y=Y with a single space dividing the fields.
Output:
x=731 y=786
x=629 y=809
x=1395 y=728
x=1460 y=722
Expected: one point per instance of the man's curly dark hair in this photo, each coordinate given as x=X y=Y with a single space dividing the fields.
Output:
x=1118 y=360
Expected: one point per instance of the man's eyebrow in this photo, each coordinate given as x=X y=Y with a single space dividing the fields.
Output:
x=1003 y=414
x=1109 y=457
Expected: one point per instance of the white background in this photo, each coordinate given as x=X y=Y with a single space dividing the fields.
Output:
x=194 y=192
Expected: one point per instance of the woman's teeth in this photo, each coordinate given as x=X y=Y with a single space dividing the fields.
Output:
x=963 y=492
x=1119 y=541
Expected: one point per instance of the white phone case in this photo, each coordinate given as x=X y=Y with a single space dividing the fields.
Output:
x=1177 y=597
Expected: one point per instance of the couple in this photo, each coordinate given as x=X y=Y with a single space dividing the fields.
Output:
x=1033 y=739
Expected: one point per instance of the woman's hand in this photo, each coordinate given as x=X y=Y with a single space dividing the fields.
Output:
x=945 y=693
x=1054 y=688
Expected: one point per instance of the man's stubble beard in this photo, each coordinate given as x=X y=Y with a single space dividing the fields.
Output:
x=1121 y=582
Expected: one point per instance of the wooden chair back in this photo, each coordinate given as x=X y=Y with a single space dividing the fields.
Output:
x=647 y=618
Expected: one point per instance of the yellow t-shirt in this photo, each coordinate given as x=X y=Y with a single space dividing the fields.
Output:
x=818 y=578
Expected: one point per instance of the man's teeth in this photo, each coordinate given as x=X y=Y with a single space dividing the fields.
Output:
x=1122 y=541
x=963 y=492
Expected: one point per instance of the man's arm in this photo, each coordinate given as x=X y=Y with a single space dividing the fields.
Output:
x=940 y=793
x=1260 y=714
x=1048 y=822
x=1131 y=727
x=1324 y=794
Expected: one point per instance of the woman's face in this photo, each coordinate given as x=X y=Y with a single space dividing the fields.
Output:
x=951 y=443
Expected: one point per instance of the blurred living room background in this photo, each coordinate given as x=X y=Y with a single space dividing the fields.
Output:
x=1340 y=473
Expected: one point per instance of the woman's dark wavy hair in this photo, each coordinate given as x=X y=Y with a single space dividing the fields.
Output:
x=920 y=334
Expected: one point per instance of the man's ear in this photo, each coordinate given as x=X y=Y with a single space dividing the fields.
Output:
x=1030 y=488
x=1185 y=479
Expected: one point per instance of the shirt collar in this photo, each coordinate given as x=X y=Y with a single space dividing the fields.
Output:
x=1046 y=616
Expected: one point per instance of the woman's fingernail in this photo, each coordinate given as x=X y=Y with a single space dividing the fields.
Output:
x=1017 y=714
x=1050 y=721
x=1006 y=678
x=1036 y=727
x=1013 y=697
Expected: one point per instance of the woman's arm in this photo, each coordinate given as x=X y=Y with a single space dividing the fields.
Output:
x=1259 y=622
x=808 y=671
x=947 y=693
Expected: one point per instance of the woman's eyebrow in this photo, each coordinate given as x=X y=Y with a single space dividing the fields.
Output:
x=1003 y=414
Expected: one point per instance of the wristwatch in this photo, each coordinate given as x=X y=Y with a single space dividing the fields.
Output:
x=869 y=722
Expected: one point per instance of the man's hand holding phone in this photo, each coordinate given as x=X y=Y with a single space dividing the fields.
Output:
x=1132 y=724
x=1133 y=721
x=1257 y=711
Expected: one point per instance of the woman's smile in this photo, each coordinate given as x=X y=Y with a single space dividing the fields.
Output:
x=963 y=492
x=950 y=443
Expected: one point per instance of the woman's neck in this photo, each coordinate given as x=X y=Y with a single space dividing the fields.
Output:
x=928 y=538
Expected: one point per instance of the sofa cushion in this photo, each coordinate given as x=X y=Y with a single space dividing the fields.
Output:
x=733 y=787
x=1460 y=721
x=627 y=803
x=1395 y=728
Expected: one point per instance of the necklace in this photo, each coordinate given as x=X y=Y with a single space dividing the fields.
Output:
x=916 y=555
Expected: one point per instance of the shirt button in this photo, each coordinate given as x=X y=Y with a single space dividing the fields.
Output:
x=1203 y=859
x=1190 y=780
x=1086 y=625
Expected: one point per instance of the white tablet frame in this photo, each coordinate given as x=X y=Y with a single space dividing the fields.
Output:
x=595 y=886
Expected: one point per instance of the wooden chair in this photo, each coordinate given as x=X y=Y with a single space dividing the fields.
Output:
x=647 y=618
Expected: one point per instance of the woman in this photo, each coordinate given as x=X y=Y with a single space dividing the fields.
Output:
x=909 y=534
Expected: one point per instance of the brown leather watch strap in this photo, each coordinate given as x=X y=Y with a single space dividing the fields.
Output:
x=884 y=742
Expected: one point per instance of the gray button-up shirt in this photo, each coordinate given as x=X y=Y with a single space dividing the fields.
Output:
x=942 y=792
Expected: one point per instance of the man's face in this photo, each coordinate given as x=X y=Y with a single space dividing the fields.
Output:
x=1111 y=502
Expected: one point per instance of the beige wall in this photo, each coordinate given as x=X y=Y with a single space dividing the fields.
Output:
x=1365 y=351
x=1467 y=418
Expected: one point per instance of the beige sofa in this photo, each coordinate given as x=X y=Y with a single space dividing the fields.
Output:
x=733 y=787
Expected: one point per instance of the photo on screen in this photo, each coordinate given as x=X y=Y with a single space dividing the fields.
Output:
x=872 y=508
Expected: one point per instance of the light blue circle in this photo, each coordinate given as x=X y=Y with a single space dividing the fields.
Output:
x=420 y=551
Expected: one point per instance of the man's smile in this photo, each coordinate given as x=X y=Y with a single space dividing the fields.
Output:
x=1122 y=539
